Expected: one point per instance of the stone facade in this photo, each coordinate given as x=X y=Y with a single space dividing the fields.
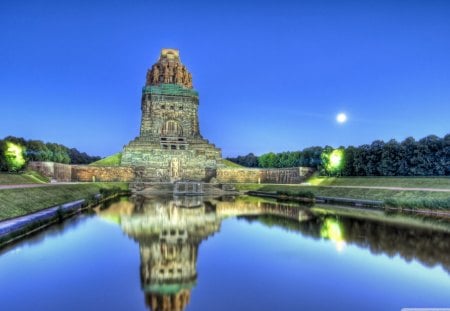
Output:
x=292 y=175
x=94 y=173
x=170 y=146
x=68 y=172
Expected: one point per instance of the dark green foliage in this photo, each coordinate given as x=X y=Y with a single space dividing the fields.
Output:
x=250 y=160
x=429 y=156
x=77 y=157
x=309 y=157
x=36 y=150
x=298 y=193
x=3 y=162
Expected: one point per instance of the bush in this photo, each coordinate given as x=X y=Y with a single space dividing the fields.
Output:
x=299 y=194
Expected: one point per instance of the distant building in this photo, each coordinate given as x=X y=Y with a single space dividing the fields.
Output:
x=170 y=146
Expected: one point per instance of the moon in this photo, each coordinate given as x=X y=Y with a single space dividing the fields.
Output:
x=341 y=118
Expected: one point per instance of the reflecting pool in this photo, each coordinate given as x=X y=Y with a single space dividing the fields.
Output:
x=242 y=253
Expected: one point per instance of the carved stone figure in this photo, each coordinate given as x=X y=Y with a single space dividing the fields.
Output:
x=185 y=77
x=155 y=77
x=171 y=73
x=179 y=75
x=175 y=168
x=166 y=74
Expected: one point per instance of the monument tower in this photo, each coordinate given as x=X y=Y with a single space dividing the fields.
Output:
x=170 y=146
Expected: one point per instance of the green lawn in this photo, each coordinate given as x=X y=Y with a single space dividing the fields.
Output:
x=112 y=160
x=28 y=177
x=397 y=198
x=18 y=202
x=408 y=182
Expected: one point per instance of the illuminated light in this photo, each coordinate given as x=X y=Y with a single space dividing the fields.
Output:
x=14 y=156
x=336 y=158
x=341 y=118
x=331 y=229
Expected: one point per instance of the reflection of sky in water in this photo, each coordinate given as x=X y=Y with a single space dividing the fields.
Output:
x=310 y=273
x=91 y=264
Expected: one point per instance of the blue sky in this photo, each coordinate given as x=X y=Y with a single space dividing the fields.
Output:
x=272 y=75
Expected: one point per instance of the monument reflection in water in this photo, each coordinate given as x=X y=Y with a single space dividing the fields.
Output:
x=169 y=233
x=170 y=230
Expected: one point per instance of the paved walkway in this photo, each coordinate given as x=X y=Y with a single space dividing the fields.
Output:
x=36 y=185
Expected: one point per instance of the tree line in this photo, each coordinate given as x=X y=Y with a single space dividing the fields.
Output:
x=429 y=156
x=14 y=148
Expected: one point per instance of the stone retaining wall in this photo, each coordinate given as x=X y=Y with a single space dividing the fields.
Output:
x=67 y=172
x=107 y=173
x=292 y=175
x=58 y=171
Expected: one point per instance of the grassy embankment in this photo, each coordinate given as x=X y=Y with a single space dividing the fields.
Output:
x=28 y=177
x=112 y=160
x=413 y=199
x=229 y=164
x=405 y=182
x=19 y=202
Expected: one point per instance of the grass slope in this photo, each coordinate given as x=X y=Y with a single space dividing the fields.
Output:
x=28 y=177
x=396 y=198
x=229 y=164
x=112 y=160
x=407 y=182
x=19 y=202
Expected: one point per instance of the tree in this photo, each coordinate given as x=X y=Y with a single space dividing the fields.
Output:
x=349 y=159
x=59 y=153
x=332 y=161
x=390 y=158
x=267 y=160
x=38 y=151
x=14 y=156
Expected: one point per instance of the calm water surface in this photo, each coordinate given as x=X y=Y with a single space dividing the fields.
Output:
x=240 y=254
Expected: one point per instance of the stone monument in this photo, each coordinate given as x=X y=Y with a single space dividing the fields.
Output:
x=170 y=146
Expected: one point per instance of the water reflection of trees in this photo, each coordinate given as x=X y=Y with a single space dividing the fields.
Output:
x=430 y=247
x=169 y=232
